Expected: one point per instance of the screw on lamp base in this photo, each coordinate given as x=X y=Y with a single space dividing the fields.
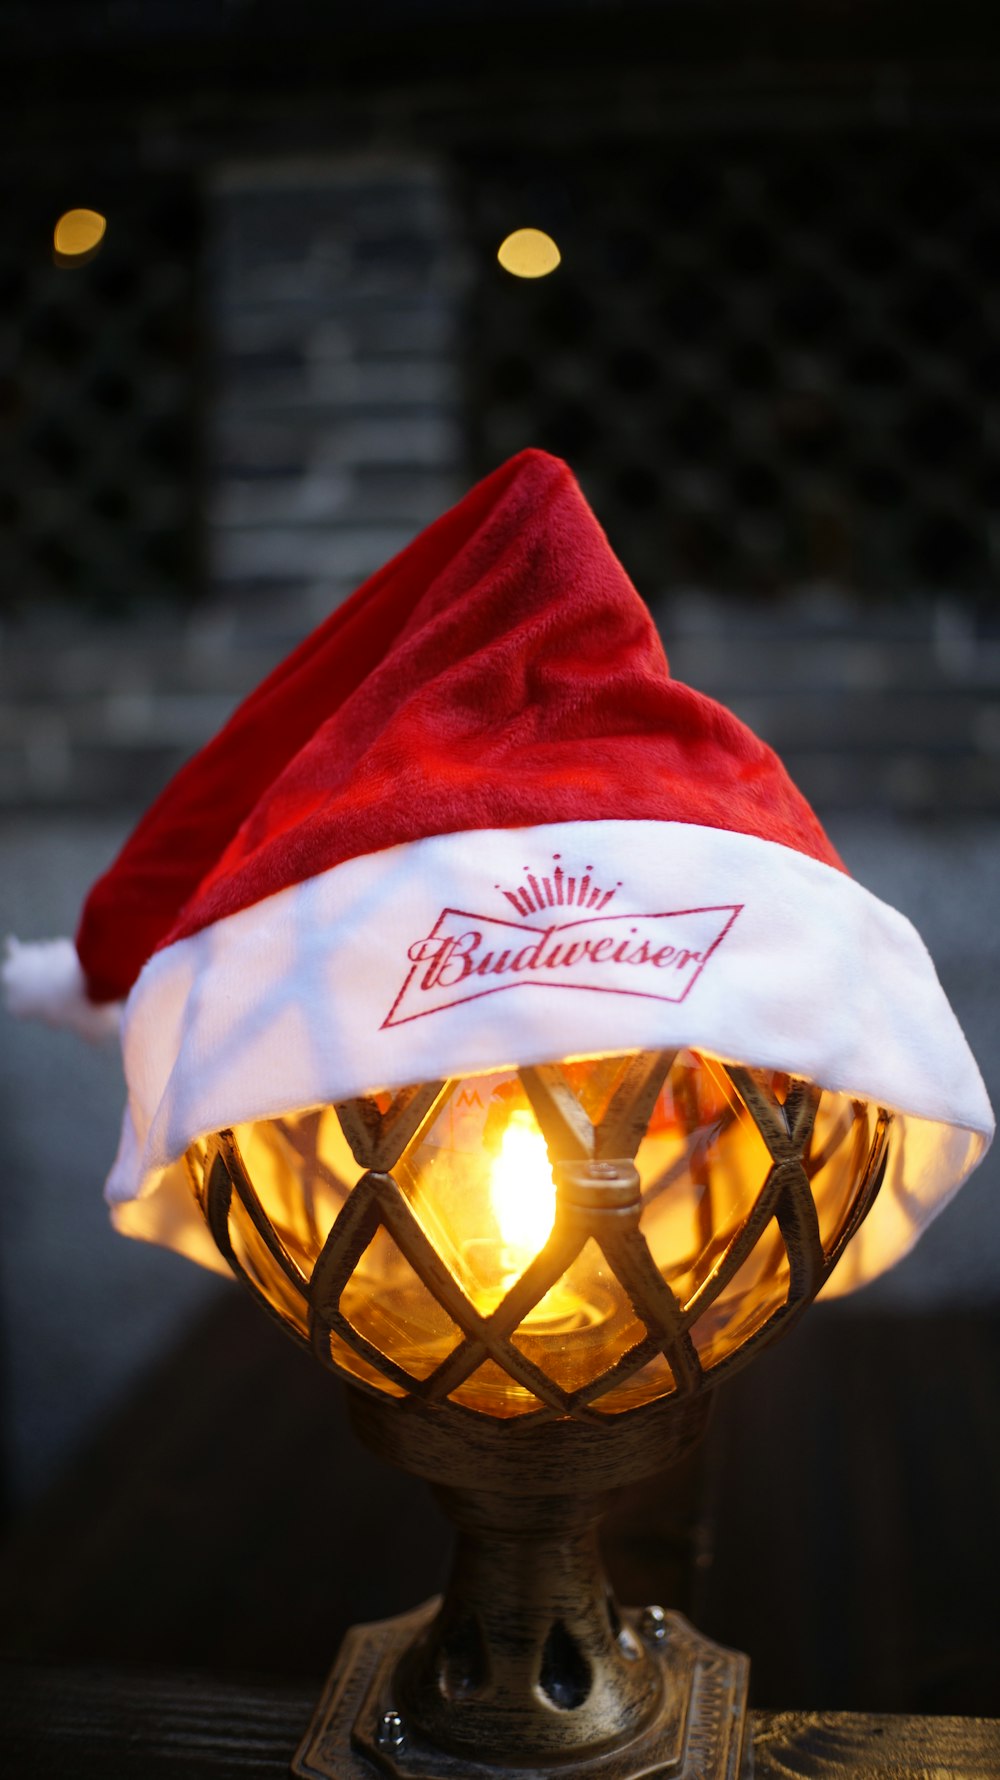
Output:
x=697 y=1731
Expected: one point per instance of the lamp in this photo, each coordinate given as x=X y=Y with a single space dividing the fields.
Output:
x=531 y=1287
x=501 y=1015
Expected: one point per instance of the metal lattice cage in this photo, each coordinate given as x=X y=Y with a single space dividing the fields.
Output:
x=698 y=1208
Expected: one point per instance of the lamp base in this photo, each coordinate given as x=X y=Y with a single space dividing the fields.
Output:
x=360 y=1731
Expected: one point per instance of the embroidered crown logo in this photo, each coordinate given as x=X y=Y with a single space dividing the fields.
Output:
x=558 y=889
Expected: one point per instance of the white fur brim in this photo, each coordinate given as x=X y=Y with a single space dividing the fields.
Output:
x=44 y=981
x=471 y=952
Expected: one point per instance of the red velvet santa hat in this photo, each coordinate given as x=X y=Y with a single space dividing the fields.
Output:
x=475 y=780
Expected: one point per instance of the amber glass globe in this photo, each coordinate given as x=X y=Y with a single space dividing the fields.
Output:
x=452 y=1234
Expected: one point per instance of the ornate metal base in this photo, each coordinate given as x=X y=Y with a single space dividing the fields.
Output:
x=359 y=1730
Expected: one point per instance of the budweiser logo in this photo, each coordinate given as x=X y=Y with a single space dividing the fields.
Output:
x=658 y=955
x=558 y=889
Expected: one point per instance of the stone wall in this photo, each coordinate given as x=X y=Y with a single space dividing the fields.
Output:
x=887 y=710
x=337 y=430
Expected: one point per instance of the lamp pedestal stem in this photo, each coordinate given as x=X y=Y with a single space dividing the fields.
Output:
x=528 y=1652
x=527 y=1667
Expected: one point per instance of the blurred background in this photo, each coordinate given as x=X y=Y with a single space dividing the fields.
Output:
x=771 y=353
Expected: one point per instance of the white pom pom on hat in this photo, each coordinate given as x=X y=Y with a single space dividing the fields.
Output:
x=44 y=981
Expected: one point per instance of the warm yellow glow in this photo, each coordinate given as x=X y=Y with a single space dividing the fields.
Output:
x=522 y=1192
x=78 y=232
x=529 y=253
x=478 y=1184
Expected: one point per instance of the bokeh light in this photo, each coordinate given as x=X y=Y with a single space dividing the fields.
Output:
x=529 y=253
x=78 y=234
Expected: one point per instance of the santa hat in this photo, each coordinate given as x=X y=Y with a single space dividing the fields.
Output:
x=471 y=822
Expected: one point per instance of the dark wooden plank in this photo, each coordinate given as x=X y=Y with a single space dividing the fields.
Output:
x=63 y=1724
x=863 y=1746
x=850 y=1516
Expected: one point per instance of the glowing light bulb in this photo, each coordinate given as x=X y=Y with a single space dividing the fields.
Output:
x=523 y=1203
x=529 y=253
x=522 y=1192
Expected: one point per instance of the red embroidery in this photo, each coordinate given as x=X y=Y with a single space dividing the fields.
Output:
x=557 y=889
x=466 y=956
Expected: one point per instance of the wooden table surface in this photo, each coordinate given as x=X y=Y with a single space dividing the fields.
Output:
x=72 y=1724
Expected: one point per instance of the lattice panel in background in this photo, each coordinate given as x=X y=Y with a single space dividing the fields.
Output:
x=774 y=360
x=99 y=429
